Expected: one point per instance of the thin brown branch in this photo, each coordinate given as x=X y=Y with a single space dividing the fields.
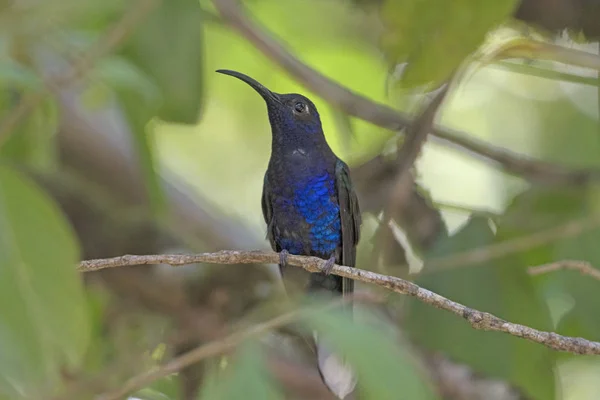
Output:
x=417 y=132
x=512 y=246
x=416 y=136
x=583 y=267
x=386 y=117
x=498 y=250
x=402 y=185
x=478 y=319
x=211 y=349
x=105 y=44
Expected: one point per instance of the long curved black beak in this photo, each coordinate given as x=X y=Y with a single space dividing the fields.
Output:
x=263 y=91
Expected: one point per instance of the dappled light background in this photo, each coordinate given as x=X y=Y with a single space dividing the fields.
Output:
x=117 y=137
x=536 y=116
x=540 y=117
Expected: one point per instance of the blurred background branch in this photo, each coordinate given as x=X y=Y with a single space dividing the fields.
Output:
x=583 y=267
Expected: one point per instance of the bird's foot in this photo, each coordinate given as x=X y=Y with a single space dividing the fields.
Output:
x=328 y=266
x=283 y=254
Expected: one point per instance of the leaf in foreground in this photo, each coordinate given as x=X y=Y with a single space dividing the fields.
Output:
x=43 y=321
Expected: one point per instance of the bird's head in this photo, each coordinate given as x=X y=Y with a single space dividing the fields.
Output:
x=293 y=117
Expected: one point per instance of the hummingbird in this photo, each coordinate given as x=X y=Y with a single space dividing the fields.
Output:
x=309 y=206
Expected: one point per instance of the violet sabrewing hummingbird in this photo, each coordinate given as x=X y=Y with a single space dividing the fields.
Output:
x=309 y=206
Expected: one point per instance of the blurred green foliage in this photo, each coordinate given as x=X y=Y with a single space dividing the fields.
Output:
x=44 y=323
x=384 y=367
x=168 y=47
x=442 y=35
x=246 y=378
x=161 y=77
x=501 y=287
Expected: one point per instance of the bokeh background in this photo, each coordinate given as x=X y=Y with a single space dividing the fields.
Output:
x=117 y=137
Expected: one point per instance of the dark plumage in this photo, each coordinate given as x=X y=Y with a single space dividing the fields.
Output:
x=308 y=202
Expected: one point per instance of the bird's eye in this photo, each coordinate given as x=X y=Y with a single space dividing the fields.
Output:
x=300 y=107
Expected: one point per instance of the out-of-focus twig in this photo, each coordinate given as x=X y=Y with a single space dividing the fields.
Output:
x=105 y=44
x=478 y=319
x=498 y=250
x=416 y=135
x=386 y=117
x=534 y=49
x=401 y=195
x=584 y=267
x=461 y=382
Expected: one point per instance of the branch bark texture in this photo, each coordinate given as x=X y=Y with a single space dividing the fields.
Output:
x=477 y=319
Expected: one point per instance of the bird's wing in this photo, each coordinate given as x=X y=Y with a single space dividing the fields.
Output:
x=267 y=209
x=349 y=214
x=350 y=219
x=337 y=374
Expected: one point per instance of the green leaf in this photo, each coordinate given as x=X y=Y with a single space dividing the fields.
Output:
x=159 y=76
x=140 y=98
x=435 y=37
x=544 y=208
x=168 y=386
x=33 y=140
x=168 y=47
x=149 y=394
x=44 y=326
x=121 y=75
x=92 y=16
x=501 y=287
x=384 y=365
x=138 y=116
x=41 y=20
x=245 y=378
x=16 y=75
x=582 y=289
